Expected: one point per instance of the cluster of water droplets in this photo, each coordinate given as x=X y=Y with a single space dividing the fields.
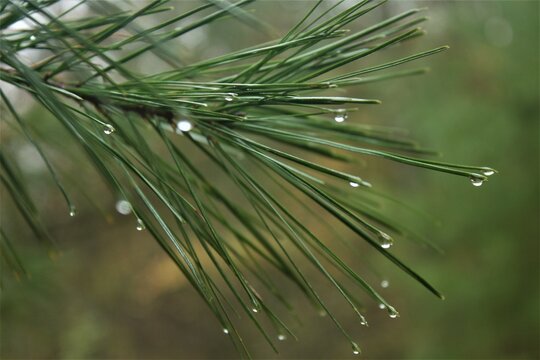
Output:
x=477 y=180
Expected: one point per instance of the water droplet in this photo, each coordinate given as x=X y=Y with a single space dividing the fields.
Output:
x=282 y=337
x=476 y=181
x=355 y=348
x=353 y=184
x=72 y=211
x=385 y=241
x=340 y=117
x=392 y=313
x=33 y=38
x=385 y=283
x=322 y=313
x=254 y=310
x=332 y=86
x=140 y=225
x=363 y=322
x=382 y=306
x=183 y=126
x=488 y=172
x=225 y=331
x=108 y=130
x=123 y=207
x=230 y=97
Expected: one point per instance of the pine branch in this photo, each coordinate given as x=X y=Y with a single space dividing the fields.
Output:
x=248 y=112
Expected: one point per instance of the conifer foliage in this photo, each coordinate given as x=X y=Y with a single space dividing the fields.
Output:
x=269 y=119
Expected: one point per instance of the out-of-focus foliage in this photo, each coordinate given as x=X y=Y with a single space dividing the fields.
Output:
x=113 y=293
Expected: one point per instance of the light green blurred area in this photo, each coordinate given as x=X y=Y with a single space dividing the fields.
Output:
x=114 y=294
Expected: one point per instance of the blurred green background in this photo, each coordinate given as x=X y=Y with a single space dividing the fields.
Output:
x=114 y=294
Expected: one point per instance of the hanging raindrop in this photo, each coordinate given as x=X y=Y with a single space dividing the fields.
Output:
x=123 y=207
x=382 y=306
x=385 y=241
x=353 y=184
x=254 y=310
x=488 y=172
x=140 y=225
x=183 y=126
x=341 y=115
x=355 y=348
x=72 y=211
x=230 y=97
x=225 y=331
x=282 y=337
x=385 y=283
x=476 y=181
x=108 y=130
x=392 y=313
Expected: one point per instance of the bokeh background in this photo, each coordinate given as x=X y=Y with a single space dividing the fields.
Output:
x=113 y=293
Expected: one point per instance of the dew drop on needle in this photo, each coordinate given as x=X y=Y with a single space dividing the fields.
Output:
x=393 y=313
x=341 y=115
x=140 y=225
x=355 y=348
x=476 y=181
x=385 y=241
x=108 y=130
